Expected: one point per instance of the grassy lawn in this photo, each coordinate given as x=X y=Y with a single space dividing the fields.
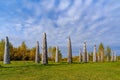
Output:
x=19 y=70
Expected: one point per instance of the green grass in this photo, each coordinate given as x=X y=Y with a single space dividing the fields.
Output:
x=19 y=70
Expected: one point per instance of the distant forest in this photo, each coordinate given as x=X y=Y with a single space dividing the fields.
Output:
x=22 y=52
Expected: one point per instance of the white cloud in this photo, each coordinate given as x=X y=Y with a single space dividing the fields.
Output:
x=64 y=4
x=48 y=5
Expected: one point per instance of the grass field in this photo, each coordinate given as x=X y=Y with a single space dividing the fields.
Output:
x=19 y=70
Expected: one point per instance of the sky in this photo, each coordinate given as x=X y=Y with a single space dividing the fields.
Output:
x=93 y=21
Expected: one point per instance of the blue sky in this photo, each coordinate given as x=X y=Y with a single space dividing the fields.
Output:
x=93 y=21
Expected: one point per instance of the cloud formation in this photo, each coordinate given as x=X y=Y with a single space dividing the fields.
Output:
x=83 y=20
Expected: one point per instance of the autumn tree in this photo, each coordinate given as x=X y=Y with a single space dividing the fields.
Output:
x=2 y=45
x=101 y=52
x=52 y=53
x=108 y=53
x=23 y=49
x=11 y=51
x=32 y=53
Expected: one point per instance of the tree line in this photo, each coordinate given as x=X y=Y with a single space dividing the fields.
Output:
x=22 y=52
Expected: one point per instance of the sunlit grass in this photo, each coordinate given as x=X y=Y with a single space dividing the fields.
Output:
x=28 y=70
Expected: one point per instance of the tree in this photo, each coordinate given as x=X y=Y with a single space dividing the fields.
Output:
x=2 y=45
x=80 y=56
x=52 y=53
x=11 y=51
x=108 y=53
x=32 y=53
x=23 y=49
x=60 y=55
x=101 y=52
